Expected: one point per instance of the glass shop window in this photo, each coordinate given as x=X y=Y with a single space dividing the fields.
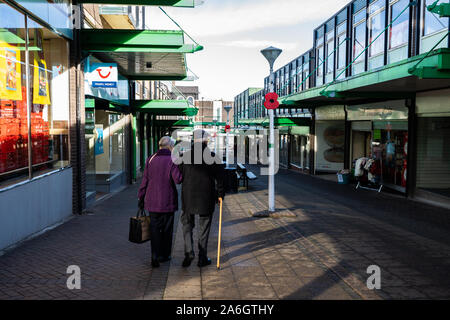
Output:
x=376 y=26
x=398 y=32
x=329 y=54
x=359 y=34
x=432 y=23
x=341 y=50
x=13 y=99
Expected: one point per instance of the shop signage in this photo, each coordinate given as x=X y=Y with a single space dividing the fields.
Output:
x=103 y=75
x=394 y=110
x=330 y=113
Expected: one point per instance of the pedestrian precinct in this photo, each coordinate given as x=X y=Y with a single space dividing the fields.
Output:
x=203 y=174
x=158 y=195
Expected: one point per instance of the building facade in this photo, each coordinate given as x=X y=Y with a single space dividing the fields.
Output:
x=66 y=141
x=375 y=83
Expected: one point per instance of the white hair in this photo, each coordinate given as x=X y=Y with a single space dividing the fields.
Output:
x=166 y=142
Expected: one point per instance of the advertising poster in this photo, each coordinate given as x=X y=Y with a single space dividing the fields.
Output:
x=10 y=72
x=98 y=139
x=330 y=137
x=41 y=91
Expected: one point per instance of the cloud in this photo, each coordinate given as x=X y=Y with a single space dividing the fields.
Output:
x=215 y=17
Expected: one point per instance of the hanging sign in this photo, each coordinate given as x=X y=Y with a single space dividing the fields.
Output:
x=103 y=75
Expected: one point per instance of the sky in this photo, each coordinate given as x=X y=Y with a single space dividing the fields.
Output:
x=233 y=32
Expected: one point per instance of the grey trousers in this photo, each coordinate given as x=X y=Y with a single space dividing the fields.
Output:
x=188 y=222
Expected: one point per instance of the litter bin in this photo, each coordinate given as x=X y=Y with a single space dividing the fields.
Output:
x=231 y=182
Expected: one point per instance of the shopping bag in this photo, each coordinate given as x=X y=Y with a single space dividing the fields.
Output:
x=140 y=227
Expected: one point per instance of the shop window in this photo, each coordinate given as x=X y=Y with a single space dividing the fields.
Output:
x=13 y=103
x=306 y=74
x=329 y=53
x=432 y=23
x=398 y=32
x=341 y=54
x=359 y=41
x=377 y=20
x=319 y=61
x=49 y=92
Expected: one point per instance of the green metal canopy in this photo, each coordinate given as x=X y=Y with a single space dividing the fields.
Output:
x=183 y=123
x=172 y=3
x=395 y=81
x=162 y=107
x=141 y=54
x=289 y=122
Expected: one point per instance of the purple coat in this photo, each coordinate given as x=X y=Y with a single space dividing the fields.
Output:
x=159 y=183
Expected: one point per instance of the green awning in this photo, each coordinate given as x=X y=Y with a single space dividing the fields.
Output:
x=393 y=81
x=162 y=107
x=183 y=123
x=289 y=122
x=171 y=3
x=141 y=54
x=219 y=124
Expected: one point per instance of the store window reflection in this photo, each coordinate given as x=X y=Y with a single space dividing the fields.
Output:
x=49 y=92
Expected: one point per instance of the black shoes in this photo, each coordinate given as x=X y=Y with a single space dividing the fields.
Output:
x=187 y=260
x=203 y=261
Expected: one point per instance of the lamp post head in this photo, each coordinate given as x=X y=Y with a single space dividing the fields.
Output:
x=228 y=108
x=271 y=54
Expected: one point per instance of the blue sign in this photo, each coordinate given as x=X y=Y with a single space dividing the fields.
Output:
x=103 y=75
x=98 y=148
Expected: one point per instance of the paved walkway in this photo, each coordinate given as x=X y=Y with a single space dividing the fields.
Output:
x=321 y=253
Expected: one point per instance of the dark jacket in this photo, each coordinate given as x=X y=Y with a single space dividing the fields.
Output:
x=202 y=185
x=159 y=183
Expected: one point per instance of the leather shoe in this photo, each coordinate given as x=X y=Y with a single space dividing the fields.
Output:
x=203 y=262
x=187 y=260
x=155 y=263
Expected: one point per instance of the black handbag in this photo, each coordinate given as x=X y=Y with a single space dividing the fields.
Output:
x=140 y=227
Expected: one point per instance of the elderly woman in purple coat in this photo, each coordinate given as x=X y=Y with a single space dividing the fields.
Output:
x=158 y=195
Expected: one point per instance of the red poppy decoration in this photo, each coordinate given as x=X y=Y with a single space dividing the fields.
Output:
x=227 y=128
x=271 y=102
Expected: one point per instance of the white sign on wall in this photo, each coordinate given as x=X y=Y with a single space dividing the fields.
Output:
x=103 y=75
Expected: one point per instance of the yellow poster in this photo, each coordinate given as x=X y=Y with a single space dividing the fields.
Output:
x=41 y=92
x=10 y=72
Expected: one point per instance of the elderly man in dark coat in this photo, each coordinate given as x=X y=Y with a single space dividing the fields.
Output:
x=158 y=195
x=203 y=184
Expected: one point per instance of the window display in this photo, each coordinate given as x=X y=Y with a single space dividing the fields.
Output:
x=48 y=93
x=13 y=98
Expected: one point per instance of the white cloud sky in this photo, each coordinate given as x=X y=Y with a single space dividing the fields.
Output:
x=234 y=31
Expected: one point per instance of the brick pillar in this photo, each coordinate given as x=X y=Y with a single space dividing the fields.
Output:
x=77 y=122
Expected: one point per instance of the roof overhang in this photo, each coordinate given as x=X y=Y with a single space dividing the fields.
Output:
x=289 y=122
x=171 y=3
x=399 y=80
x=162 y=107
x=141 y=54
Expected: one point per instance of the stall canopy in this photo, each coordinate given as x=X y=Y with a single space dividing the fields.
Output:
x=172 y=3
x=162 y=107
x=141 y=54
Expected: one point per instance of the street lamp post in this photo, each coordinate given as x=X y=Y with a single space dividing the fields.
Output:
x=271 y=54
x=227 y=109
x=215 y=135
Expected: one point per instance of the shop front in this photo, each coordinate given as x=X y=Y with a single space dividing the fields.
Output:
x=299 y=148
x=329 y=139
x=433 y=147
x=106 y=111
x=35 y=119
x=379 y=132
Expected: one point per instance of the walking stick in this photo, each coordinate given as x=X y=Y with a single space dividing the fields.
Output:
x=220 y=233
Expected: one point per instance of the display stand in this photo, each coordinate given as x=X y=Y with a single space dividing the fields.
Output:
x=364 y=183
